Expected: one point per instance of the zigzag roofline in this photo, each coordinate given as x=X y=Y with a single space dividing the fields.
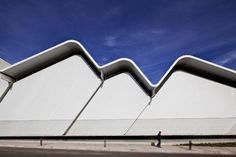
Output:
x=69 y=48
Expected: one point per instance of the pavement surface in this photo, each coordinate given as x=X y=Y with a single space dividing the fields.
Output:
x=90 y=148
x=30 y=152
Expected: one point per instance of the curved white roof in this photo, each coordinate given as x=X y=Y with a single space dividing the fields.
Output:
x=3 y=64
x=69 y=48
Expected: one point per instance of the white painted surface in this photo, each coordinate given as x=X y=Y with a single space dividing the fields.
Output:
x=185 y=96
x=3 y=86
x=184 y=126
x=55 y=93
x=98 y=127
x=119 y=99
x=33 y=127
x=46 y=102
x=3 y=64
x=232 y=130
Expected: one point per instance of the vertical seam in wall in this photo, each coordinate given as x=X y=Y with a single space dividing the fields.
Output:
x=81 y=111
x=138 y=116
x=231 y=128
x=6 y=91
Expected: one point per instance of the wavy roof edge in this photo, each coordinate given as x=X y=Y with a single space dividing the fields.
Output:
x=187 y=63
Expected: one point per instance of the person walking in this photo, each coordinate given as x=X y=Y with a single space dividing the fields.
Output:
x=159 y=139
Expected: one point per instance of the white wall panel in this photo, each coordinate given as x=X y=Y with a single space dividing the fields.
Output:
x=185 y=96
x=55 y=93
x=113 y=109
x=185 y=126
x=3 y=86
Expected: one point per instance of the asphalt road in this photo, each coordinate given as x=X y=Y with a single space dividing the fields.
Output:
x=28 y=152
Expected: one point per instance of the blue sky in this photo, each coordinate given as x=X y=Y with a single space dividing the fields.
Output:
x=153 y=33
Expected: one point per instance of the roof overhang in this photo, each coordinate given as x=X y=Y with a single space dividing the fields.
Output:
x=69 y=48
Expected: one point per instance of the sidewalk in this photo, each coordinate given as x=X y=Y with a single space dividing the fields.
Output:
x=168 y=146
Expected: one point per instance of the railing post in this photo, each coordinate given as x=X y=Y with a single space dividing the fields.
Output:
x=105 y=143
x=190 y=145
x=41 y=141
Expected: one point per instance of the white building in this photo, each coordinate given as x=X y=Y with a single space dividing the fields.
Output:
x=3 y=64
x=63 y=91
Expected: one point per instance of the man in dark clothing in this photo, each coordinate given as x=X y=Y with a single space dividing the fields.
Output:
x=159 y=139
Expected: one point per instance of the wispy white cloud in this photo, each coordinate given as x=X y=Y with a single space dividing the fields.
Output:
x=110 y=41
x=104 y=59
x=157 y=32
x=226 y=58
x=127 y=38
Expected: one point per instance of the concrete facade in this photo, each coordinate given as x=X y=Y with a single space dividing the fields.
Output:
x=63 y=91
